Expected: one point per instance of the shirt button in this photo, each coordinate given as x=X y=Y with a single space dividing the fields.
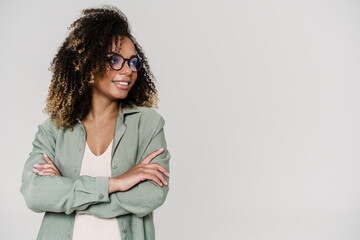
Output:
x=101 y=196
x=124 y=231
x=79 y=149
x=114 y=167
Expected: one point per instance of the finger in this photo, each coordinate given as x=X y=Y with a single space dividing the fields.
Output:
x=149 y=157
x=41 y=173
x=47 y=159
x=161 y=169
x=52 y=169
x=160 y=176
x=46 y=166
x=155 y=179
x=43 y=165
x=44 y=174
x=157 y=174
x=48 y=172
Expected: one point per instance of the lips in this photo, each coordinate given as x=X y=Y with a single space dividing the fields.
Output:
x=117 y=81
x=121 y=86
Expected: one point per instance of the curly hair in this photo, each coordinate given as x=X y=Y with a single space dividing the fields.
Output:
x=82 y=57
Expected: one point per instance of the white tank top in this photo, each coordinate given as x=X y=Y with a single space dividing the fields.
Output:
x=89 y=227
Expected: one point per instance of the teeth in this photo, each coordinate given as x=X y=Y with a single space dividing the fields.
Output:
x=122 y=83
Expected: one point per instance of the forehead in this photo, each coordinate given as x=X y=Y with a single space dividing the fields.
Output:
x=123 y=46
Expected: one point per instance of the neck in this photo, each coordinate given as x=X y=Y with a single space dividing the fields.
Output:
x=102 y=108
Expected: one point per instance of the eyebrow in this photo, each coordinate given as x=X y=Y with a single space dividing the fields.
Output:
x=114 y=53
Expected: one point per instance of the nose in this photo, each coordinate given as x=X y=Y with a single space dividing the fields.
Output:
x=126 y=68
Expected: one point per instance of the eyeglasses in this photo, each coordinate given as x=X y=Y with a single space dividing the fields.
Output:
x=117 y=62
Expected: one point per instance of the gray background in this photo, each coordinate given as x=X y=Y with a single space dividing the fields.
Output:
x=261 y=102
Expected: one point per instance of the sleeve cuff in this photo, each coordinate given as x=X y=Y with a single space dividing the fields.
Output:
x=102 y=189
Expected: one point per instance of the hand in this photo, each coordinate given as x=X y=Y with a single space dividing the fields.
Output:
x=47 y=168
x=140 y=172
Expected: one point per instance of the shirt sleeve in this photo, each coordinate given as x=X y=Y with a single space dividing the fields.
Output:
x=57 y=193
x=147 y=195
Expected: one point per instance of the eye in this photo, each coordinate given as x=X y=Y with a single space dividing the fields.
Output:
x=135 y=64
x=115 y=60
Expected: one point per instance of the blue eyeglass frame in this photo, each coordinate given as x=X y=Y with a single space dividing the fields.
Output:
x=125 y=60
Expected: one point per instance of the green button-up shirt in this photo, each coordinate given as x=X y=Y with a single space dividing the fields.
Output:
x=138 y=132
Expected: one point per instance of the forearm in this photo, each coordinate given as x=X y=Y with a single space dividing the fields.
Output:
x=57 y=193
x=62 y=194
x=145 y=196
x=112 y=185
x=140 y=200
x=105 y=210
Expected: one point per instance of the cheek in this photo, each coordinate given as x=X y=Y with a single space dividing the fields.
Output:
x=108 y=68
x=107 y=71
x=105 y=80
x=105 y=74
x=109 y=74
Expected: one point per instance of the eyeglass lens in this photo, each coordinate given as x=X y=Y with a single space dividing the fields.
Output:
x=117 y=62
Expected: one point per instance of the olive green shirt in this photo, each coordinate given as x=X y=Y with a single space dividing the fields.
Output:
x=138 y=132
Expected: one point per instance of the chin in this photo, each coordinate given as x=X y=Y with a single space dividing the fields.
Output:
x=120 y=96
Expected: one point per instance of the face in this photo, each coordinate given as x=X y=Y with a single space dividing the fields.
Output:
x=109 y=84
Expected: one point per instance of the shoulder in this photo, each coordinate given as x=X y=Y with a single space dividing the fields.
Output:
x=49 y=126
x=46 y=135
x=150 y=117
x=149 y=114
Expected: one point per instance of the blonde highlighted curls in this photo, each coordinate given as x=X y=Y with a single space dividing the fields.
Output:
x=82 y=57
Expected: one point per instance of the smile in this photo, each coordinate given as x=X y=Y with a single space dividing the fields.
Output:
x=121 y=85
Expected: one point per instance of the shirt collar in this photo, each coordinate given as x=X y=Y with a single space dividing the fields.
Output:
x=127 y=110
x=123 y=112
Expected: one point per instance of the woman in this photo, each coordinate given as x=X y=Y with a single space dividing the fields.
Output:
x=99 y=164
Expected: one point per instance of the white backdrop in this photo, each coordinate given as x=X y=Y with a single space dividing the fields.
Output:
x=261 y=102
